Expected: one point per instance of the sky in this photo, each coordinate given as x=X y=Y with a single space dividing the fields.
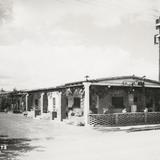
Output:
x=44 y=43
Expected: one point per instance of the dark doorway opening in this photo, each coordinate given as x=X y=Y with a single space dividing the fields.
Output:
x=77 y=102
x=117 y=102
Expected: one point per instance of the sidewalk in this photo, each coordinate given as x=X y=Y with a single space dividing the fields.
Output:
x=129 y=128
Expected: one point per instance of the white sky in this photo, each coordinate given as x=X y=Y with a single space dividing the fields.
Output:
x=44 y=43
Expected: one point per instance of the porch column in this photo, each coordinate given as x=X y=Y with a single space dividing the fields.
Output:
x=27 y=96
x=144 y=97
x=20 y=104
x=41 y=103
x=97 y=104
x=131 y=99
x=59 y=115
x=131 y=102
x=86 y=102
x=154 y=105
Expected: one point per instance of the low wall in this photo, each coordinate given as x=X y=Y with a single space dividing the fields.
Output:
x=124 y=119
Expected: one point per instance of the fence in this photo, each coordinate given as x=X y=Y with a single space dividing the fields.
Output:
x=124 y=119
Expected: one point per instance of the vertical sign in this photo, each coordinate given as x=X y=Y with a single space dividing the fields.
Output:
x=157 y=39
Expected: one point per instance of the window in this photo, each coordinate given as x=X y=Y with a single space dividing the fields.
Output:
x=117 y=102
x=54 y=103
x=36 y=102
x=76 y=102
x=135 y=99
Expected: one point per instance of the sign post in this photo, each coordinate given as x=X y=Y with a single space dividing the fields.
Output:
x=157 y=39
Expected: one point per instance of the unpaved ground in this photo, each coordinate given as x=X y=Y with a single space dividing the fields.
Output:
x=30 y=139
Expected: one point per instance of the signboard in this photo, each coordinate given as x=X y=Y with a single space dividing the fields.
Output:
x=133 y=83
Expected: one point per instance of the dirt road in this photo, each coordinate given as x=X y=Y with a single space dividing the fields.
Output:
x=29 y=139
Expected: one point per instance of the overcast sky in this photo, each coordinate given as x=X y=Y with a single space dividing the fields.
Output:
x=44 y=43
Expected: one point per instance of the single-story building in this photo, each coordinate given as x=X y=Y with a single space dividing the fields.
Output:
x=123 y=100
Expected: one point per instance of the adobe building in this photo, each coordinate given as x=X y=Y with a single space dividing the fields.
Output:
x=124 y=100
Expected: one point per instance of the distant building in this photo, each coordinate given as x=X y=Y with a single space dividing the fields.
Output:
x=12 y=101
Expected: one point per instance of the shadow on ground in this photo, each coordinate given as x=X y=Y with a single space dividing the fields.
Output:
x=11 y=148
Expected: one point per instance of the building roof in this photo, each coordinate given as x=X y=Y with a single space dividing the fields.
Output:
x=115 y=81
x=133 y=77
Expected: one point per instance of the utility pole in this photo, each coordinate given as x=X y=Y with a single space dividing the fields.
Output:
x=157 y=41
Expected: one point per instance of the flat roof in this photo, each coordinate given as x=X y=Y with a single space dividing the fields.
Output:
x=93 y=81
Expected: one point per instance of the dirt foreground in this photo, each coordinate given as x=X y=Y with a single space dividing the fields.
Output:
x=29 y=139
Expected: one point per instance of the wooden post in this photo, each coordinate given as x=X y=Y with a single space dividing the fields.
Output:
x=154 y=105
x=145 y=117
x=86 y=102
x=97 y=104
x=144 y=96
x=116 y=119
